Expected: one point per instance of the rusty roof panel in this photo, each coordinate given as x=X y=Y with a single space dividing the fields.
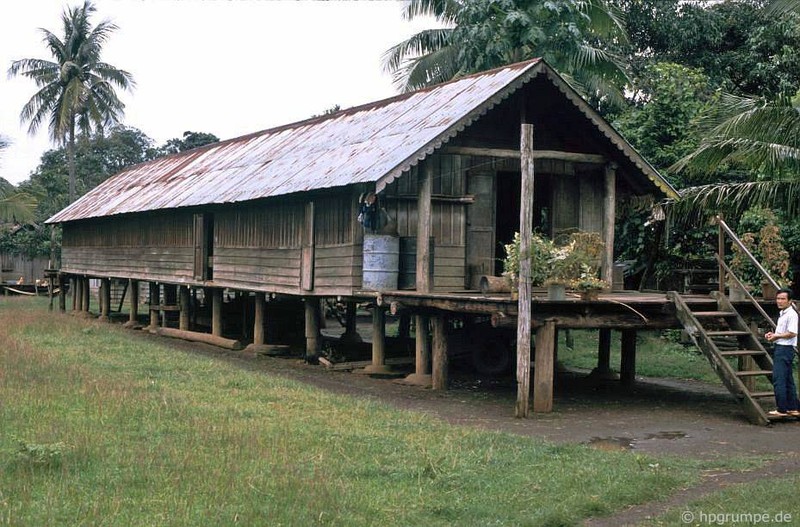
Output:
x=370 y=143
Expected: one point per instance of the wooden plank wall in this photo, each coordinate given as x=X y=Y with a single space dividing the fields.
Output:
x=16 y=266
x=338 y=261
x=148 y=247
x=259 y=246
x=449 y=219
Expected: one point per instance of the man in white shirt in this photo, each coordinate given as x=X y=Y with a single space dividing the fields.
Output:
x=785 y=339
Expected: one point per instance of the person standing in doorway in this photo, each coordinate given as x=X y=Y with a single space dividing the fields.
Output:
x=785 y=339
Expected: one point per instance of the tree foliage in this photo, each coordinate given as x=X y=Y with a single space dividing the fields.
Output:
x=76 y=88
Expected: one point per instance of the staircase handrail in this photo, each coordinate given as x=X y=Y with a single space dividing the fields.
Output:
x=735 y=239
x=750 y=297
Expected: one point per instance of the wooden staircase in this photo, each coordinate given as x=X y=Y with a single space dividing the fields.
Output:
x=723 y=335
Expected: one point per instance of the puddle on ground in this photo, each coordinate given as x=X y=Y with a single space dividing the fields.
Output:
x=611 y=444
x=672 y=434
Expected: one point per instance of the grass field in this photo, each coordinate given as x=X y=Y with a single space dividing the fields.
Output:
x=101 y=427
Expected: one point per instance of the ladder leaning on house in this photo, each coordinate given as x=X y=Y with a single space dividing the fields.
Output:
x=723 y=335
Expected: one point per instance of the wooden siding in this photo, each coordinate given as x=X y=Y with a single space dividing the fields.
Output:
x=273 y=225
x=262 y=269
x=151 y=247
x=448 y=217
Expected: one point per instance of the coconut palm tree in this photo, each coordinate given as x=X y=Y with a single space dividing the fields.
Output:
x=76 y=89
x=478 y=35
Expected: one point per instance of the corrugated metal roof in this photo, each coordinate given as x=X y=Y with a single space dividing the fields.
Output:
x=372 y=143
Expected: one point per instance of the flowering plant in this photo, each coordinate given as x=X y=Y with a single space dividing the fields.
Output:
x=588 y=281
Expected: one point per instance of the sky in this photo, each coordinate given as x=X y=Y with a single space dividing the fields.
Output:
x=226 y=67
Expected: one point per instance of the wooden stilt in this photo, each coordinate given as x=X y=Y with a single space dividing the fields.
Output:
x=543 y=373
x=77 y=294
x=524 y=302
x=87 y=295
x=155 y=300
x=423 y=354
x=378 y=343
x=105 y=299
x=259 y=309
x=627 y=367
x=133 y=314
x=312 y=315
x=216 y=312
x=439 y=377
x=603 y=370
x=63 y=280
x=350 y=334
x=183 y=301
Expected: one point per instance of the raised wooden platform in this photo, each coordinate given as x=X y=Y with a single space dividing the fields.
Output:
x=617 y=310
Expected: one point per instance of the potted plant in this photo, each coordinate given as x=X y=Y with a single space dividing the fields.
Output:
x=588 y=284
x=561 y=271
x=540 y=252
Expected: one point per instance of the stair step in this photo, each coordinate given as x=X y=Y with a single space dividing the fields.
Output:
x=742 y=353
x=714 y=314
x=761 y=395
x=752 y=373
x=727 y=333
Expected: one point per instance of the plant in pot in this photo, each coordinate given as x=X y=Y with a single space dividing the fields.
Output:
x=562 y=269
x=588 y=284
x=540 y=253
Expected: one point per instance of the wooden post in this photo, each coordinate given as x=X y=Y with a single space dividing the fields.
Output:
x=77 y=293
x=543 y=373
x=609 y=214
x=423 y=281
x=603 y=370
x=423 y=353
x=216 y=312
x=105 y=298
x=439 y=380
x=183 y=300
x=747 y=363
x=627 y=367
x=63 y=280
x=524 y=302
x=258 y=319
x=87 y=295
x=350 y=335
x=312 y=328
x=155 y=300
x=378 y=343
x=133 y=314
x=721 y=252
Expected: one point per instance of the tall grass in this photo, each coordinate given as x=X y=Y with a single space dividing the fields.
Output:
x=102 y=426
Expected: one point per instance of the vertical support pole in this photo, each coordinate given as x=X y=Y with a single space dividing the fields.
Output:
x=312 y=328
x=105 y=298
x=87 y=294
x=627 y=366
x=62 y=292
x=50 y=278
x=378 y=343
x=423 y=269
x=603 y=369
x=439 y=380
x=524 y=302
x=543 y=375
x=307 y=252
x=155 y=300
x=258 y=319
x=77 y=293
x=721 y=252
x=183 y=300
x=421 y=376
x=133 y=314
x=350 y=334
x=216 y=312
x=609 y=208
